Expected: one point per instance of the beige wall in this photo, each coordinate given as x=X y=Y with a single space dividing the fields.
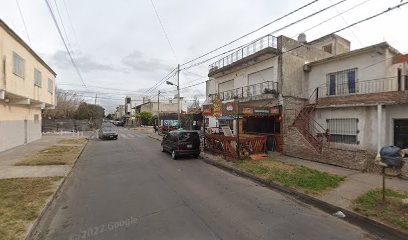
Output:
x=23 y=87
x=240 y=77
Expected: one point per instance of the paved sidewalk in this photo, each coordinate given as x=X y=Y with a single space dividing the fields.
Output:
x=356 y=182
x=10 y=157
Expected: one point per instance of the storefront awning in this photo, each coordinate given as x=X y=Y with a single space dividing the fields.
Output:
x=225 y=118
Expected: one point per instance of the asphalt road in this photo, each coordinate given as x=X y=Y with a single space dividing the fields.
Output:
x=129 y=189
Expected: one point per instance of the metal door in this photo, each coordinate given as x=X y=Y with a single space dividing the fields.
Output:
x=401 y=133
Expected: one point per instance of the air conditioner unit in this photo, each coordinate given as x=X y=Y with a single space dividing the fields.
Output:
x=307 y=68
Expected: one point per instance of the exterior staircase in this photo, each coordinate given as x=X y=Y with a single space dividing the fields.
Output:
x=308 y=127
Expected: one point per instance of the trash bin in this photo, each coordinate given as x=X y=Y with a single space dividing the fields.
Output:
x=391 y=155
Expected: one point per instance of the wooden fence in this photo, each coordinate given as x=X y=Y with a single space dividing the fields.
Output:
x=227 y=146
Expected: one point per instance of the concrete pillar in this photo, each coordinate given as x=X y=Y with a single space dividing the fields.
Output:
x=379 y=126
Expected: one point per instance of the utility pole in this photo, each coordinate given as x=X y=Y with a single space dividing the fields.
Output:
x=96 y=97
x=178 y=95
x=158 y=109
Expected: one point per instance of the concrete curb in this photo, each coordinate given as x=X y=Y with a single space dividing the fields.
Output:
x=154 y=138
x=31 y=231
x=371 y=226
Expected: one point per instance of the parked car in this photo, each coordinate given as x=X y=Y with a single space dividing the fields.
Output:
x=181 y=142
x=107 y=133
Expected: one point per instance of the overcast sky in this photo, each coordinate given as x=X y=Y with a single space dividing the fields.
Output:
x=121 y=49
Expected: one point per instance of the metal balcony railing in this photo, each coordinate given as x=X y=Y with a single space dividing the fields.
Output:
x=358 y=87
x=249 y=49
x=268 y=87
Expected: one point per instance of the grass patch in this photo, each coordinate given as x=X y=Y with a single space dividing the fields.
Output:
x=54 y=155
x=392 y=211
x=73 y=141
x=21 y=201
x=290 y=175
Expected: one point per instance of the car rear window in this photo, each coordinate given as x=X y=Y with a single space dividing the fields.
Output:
x=188 y=136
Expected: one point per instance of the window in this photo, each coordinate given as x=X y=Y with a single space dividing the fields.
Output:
x=342 y=82
x=18 y=65
x=36 y=118
x=50 y=86
x=37 y=77
x=343 y=130
x=328 y=48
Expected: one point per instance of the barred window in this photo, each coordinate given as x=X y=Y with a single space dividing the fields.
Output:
x=342 y=82
x=343 y=130
x=18 y=65
x=50 y=86
x=37 y=77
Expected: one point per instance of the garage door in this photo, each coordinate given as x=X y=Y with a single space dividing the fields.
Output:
x=401 y=133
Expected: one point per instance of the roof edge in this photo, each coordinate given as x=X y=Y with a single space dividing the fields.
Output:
x=26 y=46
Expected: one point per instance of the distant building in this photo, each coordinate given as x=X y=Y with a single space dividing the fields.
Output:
x=27 y=85
x=120 y=112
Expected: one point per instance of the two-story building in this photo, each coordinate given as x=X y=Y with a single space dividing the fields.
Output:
x=358 y=104
x=27 y=85
x=260 y=81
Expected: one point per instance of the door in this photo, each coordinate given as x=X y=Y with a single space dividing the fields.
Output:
x=401 y=133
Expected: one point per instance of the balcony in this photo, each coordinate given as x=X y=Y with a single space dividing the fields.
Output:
x=258 y=89
x=386 y=90
x=256 y=46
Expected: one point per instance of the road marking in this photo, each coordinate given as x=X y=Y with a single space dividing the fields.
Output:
x=122 y=135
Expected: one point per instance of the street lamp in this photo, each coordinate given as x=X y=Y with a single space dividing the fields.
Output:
x=178 y=101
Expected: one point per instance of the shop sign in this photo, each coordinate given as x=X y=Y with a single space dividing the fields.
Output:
x=264 y=111
x=217 y=108
x=207 y=110
x=229 y=107
x=247 y=111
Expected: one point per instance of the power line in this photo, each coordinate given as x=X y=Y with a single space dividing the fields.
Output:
x=339 y=14
x=22 y=18
x=72 y=26
x=168 y=76
x=247 y=34
x=303 y=44
x=351 y=30
x=65 y=44
x=164 y=30
x=62 y=24
x=275 y=31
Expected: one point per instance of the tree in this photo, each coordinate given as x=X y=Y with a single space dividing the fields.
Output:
x=146 y=118
x=67 y=103
x=110 y=116
x=89 y=111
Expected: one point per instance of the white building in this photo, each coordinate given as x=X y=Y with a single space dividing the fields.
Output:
x=360 y=99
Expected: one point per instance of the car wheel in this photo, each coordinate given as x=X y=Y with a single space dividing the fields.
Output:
x=163 y=150
x=196 y=155
x=173 y=155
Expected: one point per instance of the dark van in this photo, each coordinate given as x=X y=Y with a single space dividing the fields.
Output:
x=181 y=142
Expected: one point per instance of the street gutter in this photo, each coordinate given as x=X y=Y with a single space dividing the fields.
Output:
x=32 y=229
x=371 y=226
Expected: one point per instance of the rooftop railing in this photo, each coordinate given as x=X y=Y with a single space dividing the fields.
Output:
x=267 y=87
x=267 y=41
